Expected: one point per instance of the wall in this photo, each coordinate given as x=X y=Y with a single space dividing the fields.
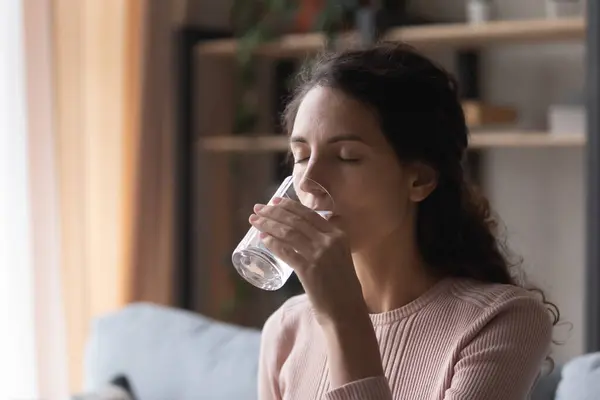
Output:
x=538 y=193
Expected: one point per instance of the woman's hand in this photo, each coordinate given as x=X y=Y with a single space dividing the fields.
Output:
x=319 y=254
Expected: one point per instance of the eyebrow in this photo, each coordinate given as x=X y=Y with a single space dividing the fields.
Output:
x=339 y=138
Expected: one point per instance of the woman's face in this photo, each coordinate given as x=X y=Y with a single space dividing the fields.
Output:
x=337 y=142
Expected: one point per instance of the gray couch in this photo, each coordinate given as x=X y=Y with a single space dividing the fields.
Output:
x=170 y=354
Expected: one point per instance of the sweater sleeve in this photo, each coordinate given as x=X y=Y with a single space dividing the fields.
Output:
x=270 y=359
x=504 y=359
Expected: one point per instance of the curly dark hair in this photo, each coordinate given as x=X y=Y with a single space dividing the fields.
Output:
x=418 y=106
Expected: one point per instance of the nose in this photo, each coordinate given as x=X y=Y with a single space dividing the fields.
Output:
x=313 y=193
x=312 y=180
x=309 y=185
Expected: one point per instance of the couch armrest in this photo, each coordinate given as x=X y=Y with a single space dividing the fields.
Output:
x=173 y=354
x=580 y=379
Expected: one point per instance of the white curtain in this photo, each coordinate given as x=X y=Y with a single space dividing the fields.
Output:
x=17 y=331
x=32 y=326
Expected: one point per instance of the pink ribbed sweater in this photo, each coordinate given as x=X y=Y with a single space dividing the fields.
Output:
x=460 y=340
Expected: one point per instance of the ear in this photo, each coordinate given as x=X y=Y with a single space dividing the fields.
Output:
x=424 y=179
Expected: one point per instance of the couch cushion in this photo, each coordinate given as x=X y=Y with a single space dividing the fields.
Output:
x=173 y=354
x=580 y=379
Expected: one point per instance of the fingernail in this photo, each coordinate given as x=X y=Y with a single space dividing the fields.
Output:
x=258 y=207
x=277 y=200
x=253 y=218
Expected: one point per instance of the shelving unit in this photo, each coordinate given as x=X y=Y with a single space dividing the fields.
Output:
x=487 y=140
x=457 y=36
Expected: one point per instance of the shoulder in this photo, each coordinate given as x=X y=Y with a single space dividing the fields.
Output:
x=283 y=330
x=279 y=336
x=502 y=338
x=489 y=297
x=482 y=305
x=288 y=318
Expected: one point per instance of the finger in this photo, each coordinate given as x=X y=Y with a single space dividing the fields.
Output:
x=306 y=213
x=286 y=217
x=285 y=233
x=285 y=252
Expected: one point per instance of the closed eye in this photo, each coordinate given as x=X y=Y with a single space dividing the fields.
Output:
x=343 y=159
x=349 y=160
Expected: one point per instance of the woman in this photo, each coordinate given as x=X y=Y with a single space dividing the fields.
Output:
x=408 y=292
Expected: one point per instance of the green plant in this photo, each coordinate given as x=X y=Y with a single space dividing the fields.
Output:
x=261 y=21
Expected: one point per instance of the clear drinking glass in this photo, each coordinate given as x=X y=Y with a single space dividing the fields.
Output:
x=253 y=261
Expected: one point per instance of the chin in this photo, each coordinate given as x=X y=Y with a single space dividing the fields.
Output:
x=334 y=218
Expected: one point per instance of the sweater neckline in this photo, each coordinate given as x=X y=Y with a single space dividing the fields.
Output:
x=412 y=307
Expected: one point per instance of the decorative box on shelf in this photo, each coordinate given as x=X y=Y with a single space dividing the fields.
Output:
x=565 y=8
x=567 y=117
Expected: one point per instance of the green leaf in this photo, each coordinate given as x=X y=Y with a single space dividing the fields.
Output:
x=321 y=22
x=243 y=15
x=248 y=43
x=245 y=118
x=247 y=76
x=282 y=6
x=329 y=18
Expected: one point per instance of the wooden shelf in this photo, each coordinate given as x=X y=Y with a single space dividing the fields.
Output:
x=448 y=35
x=480 y=140
x=524 y=139
x=244 y=144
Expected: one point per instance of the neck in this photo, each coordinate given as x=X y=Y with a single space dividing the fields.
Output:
x=392 y=273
